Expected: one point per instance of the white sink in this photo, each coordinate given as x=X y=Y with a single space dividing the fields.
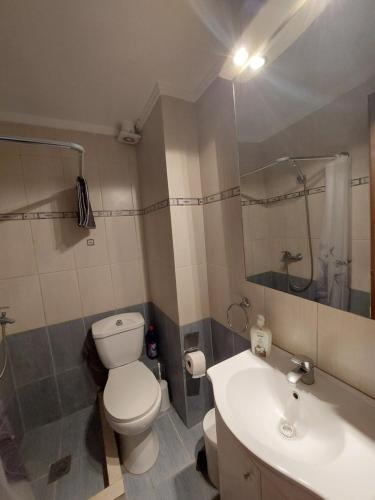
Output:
x=321 y=436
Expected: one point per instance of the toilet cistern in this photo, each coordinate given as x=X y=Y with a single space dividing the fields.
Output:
x=304 y=370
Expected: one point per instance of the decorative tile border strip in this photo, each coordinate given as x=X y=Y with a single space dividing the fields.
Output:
x=298 y=194
x=66 y=215
x=171 y=202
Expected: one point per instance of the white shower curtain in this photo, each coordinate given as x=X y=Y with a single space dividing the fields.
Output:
x=334 y=257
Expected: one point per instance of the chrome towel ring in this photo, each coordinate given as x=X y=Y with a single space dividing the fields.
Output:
x=244 y=306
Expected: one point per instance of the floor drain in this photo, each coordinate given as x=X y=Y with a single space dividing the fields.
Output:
x=287 y=430
x=59 y=468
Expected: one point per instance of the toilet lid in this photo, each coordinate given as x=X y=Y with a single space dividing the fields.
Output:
x=130 y=392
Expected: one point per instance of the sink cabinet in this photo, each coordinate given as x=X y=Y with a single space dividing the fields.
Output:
x=244 y=477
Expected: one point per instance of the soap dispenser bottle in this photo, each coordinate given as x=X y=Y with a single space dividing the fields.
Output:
x=261 y=338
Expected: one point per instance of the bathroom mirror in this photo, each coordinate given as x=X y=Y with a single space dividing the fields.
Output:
x=304 y=142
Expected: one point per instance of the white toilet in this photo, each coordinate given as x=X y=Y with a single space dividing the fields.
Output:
x=132 y=394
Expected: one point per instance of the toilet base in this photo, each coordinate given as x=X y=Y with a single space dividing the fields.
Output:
x=139 y=452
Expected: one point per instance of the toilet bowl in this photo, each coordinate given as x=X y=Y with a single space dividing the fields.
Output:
x=132 y=399
x=132 y=395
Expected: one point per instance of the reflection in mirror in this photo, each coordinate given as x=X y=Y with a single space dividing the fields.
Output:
x=303 y=139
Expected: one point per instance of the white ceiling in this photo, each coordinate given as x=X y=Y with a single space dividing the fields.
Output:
x=333 y=56
x=95 y=62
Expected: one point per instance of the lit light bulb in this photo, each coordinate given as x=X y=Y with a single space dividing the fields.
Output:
x=241 y=56
x=257 y=62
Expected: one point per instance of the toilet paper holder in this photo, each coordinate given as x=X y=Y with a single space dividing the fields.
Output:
x=191 y=342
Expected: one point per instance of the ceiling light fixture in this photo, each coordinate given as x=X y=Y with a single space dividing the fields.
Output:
x=240 y=56
x=257 y=62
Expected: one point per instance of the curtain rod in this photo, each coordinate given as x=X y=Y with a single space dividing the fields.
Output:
x=294 y=158
x=48 y=142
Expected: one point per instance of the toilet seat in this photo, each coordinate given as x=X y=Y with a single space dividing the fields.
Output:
x=131 y=392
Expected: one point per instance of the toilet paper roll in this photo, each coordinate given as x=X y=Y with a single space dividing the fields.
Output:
x=195 y=363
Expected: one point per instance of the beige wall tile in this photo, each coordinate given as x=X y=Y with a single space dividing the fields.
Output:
x=94 y=255
x=12 y=189
x=61 y=296
x=346 y=344
x=181 y=146
x=276 y=220
x=223 y=234
x=122 y=239
x=188 y=235
x=192 y=293
x=108 y=149
x=17 y=253
x=163 y=287
x=129 y=283
x=293 y=322
x=217 y=138
x=158 y=236
x=219 y=291
x=53 y=244
x=95 y=285
x=151 y=159
x=116 y=185
x=46 y=187
x=24 y=298
x=261 y=256
x=361 y=212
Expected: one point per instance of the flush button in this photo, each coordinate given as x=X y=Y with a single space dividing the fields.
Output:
x=119 y=322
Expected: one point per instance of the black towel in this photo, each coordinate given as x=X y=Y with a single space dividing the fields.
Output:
x=85 y=215
x=9 y=453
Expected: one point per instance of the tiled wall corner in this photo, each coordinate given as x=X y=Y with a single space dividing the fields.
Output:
x=226 y=343
x=171 y=357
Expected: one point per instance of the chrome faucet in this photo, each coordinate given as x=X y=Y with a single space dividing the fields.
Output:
x=4 y=318
x=304 y=370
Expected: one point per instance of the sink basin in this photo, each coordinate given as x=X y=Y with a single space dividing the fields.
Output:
x=303 y=429
x=321 y=436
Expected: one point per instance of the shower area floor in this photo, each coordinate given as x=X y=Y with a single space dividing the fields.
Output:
x=78 y=436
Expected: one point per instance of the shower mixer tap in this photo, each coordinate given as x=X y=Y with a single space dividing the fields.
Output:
x=4 y=320
x=289 y=257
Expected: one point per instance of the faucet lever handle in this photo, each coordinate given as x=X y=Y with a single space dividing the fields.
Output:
x=304 y=362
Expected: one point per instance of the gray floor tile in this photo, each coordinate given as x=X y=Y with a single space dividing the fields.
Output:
x=173 y=456
x=70 y=486
x=188 y=484
x=91 y=475
x=42 y=490
x=192 y=438
x=139 y=487
x=84 y=480
x=40 y=448
x=74 y=432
